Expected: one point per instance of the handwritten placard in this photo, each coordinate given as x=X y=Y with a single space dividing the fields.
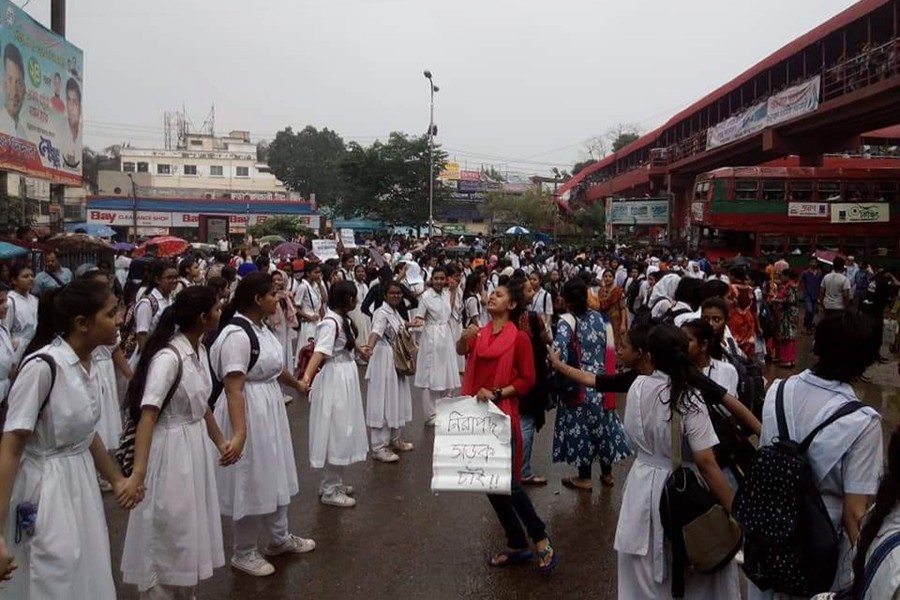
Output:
x=325 y=249
x=472 y=450
x=348 y=238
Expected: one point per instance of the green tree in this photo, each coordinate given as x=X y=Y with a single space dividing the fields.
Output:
x=532 y=210
x=581 y=165
x=492 y=173
x=591 y=217
x=623 y=134
x=388 y=181
x=308 y=162
x=92 y=162
x=285 y=226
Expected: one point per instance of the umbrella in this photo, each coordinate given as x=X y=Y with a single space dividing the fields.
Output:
x=286 y=249
x=167 y=246
x=94 y=229
x=8 y=250
x=123 y=246
x=827 y=256
x=517 y=230
x=78 y=242
x=271 y=239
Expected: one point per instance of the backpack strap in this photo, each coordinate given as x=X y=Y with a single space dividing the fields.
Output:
x=251 y=335
x=174 y=387
x=52 y=364
x=843 y=411
x=779 y=412
x=878 y=556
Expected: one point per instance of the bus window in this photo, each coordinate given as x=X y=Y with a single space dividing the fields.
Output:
x=701 y=192
x=801 y=191
x=746 y=189
x=883 y=246
x=856 y=191
x=829 y=191
x=827 y=242
x=773 y=190
x=800 y=244
x=771 y=244
x=855 y=246
x=885 y=191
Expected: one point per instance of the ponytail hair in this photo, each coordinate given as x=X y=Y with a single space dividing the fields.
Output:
x=253 y=285
x=59 y=307
x=181 y=315
x=668 y=347
x=342 y=296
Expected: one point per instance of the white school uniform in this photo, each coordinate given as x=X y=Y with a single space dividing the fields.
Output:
x=174 y=536
x=362 y=322
x=110 y=425
x=337 y=424
x=724 y=374
x=456 y=325
x=21 y=321
x=388 y=395
x=266 y=477
x=145 y=320
x=308 y=301
x=846 y=457
x=68 y=557
x=473 y=310
x=436 y=366
x=644 y=553
x=542 y=304
x=286 y=336
x=886 y=582
x=6 y=360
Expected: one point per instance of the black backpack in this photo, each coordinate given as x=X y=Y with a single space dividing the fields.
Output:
x=790 y=545
x=751 y=383
x=219 y=385
x=631 y=295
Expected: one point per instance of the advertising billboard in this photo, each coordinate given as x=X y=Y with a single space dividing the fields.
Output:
x=41 y=118
x=639 y=212
x=877 y=212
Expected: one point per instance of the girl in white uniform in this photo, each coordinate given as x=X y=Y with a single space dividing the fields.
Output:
x=361 y=321
x=160 y=282
x=311 y=298
x=174 y=537
x=50 y=455
x=388 y=395
x=437 y=373
x=257 y=490
x=645 y=568
x=457 y=312
x=337 y=425
x=6 y=347
x=284 y=321
x=21 y=316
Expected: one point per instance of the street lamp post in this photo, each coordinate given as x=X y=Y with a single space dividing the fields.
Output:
x=433 y=89
x=134 y=220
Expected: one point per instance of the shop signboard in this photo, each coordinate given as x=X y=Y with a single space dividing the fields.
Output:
x=874 y=212
x=807 y=209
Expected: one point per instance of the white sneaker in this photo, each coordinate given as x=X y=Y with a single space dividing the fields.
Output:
x=339 y=499
x=346 y=489
x=430 y=421
x=293 y=545
x=287 y=399
x=253 y=564
x=384 y=455
x=401 y=446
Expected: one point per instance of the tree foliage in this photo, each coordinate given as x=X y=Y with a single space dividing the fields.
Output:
x=388 y=181
x=623 y=134
x=532 y=210
x=286 y=226
x=591 y=217
x=492 y=173
x=92 y=162
x=581 y=165
x=309 y=162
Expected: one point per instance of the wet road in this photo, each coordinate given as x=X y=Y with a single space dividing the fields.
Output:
x=401 y=541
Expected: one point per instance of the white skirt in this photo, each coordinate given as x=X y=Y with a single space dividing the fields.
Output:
x=337 y=426
x=363 y=324
x=457 y=329
x=68 y=557
x=174 y=536
x=437 y=367
x=286 y=336
x=109 y=427
x=388 y=396
x=266 y=477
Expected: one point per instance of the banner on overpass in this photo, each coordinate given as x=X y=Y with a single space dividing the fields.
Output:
x=796 y=100
x=638 y=212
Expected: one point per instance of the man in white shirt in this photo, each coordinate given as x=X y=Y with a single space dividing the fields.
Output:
x=834 y=293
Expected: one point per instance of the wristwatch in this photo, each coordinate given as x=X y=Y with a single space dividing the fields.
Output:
x=498 y=394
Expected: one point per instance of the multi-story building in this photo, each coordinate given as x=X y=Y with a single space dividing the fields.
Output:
x=172 y=191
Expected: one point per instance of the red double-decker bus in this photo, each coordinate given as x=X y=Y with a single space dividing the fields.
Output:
x=851 y=206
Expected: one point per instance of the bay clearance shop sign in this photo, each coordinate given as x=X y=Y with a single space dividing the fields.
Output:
x=124 y=218
x=41 y=117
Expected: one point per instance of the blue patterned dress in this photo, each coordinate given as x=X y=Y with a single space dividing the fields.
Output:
x=588 y=433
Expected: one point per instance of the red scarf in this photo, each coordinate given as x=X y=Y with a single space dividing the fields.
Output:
x=502 y=348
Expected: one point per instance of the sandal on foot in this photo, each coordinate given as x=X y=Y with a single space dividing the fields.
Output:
x=607 y=480
x=510 y=557
x=570 y=482
x=534 y=480
x=542 y=556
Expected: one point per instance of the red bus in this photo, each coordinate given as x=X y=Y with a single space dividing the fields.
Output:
x=854 y=210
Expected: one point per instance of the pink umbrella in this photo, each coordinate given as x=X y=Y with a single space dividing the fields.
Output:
x=286 y=250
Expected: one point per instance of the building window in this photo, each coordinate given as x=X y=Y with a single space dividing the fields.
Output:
x=143 y=167
x=242 y=172
x=128 y=167
x=73 y=212
x=190 y=169
x=215 y=171
x=163 y=169
x=196 y=142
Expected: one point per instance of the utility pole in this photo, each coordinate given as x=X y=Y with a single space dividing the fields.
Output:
x=58 y=191
x=431 y=131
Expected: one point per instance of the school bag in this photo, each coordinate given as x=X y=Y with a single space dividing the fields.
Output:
x=127 y=332
x=405 y=352
x=562 y=389
x=4 y=405
x=125 y=452
x=218 y=384
x=751 y=383
x=790 y=545
x=704 y=537
x=306 y=354
x=632 y=300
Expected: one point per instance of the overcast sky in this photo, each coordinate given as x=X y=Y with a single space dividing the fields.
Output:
x=523 y=83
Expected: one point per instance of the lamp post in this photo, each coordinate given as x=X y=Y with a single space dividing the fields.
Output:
x=134 y=220
x=431 y=132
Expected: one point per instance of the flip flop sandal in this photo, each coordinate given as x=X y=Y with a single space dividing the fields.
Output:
x=542 y=555
x=534 y=480
x=569 y=482
x=512 y=557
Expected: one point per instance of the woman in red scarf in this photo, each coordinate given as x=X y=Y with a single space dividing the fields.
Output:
x=500 y=369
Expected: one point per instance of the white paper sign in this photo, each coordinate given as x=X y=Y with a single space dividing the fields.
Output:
x=347 y=238
x=472 y=449
x=325 y=249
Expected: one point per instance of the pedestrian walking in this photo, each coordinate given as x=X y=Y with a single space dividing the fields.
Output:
x=22 y=315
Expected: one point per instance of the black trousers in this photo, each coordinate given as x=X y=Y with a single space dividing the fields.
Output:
x=516 y=510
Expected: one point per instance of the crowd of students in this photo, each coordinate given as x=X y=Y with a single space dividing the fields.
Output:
x=208 y=351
